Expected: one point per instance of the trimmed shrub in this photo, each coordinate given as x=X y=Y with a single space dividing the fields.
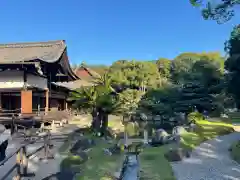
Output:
x=195 y=117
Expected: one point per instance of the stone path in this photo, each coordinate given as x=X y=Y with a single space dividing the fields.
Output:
x=42 y=169
x=210 y=161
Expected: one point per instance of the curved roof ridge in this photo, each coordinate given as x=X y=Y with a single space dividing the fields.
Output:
x=32 y=44
x=49 y=51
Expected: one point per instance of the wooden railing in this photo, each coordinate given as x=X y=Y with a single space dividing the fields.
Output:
x=22 y=157
x=9 y=112
x=21 y=161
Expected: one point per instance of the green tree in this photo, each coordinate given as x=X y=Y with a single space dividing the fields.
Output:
x=128 y=101
x=185 y=66
x=164 y=67
x=135 y=74
x=232 y=64
x=100 y=100
x=208 y=72
x=221 y=11
x=182 y=66
x=160 y=101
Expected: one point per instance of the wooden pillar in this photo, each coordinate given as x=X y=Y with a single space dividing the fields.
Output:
x=66 y=105
x=24 y=160
x=18 y=164
x=47 y=100
x=26 y=101
x=0 y=100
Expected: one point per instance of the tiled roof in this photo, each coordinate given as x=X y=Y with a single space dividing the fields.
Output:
x=91 y=73
x=49 y=51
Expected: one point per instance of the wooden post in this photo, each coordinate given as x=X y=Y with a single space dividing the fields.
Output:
x=145 y=134
x=13 y=127
x=66 y=105
x=0 y=100
x=24 y=160
x=18 y=164
x=47 y=100
x=47 y=145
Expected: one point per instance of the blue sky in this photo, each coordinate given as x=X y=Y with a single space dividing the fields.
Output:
x=102 y=31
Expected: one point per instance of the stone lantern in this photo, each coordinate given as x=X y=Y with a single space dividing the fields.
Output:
x=144 y=118
x=125 y=120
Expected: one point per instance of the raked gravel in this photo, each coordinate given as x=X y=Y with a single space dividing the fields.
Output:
x=210 y=161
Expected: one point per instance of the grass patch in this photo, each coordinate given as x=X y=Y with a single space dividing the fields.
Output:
x=98 y=166
x=205 y=130
x=235 y=120
x=155 y=166
x=235 y=151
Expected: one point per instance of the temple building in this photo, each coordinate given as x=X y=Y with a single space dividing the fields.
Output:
x=31 y=75
x=87 y=77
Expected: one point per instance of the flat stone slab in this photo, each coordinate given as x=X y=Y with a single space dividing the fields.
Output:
x=210 y=161
x=6 y=135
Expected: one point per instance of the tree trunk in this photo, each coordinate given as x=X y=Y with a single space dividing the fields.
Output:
x=104 y=123
x=95 y=120
x=94 y=115
x=100 y=120
x=125 y=136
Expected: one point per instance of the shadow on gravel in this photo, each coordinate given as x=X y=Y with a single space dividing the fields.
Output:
x=60 y=176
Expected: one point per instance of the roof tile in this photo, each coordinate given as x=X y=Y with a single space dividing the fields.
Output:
x=46 y=51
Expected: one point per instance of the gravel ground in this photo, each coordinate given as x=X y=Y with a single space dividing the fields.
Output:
x=210 y=161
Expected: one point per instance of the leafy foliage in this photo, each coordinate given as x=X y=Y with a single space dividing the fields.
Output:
x=164 y=67
x=129 y=100
x=135 y=74
x=195 y=116
x=221 y=11
x=163 y=87
x=232 y=63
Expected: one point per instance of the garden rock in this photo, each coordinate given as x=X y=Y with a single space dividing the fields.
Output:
x=91 y=142
x=174 y=155
x=2 y=128
x=115 y=149
x=161 y=136
x=188 y=154
x=178 y=130
x=87 y=150
x=192 y=127
x=107 y=152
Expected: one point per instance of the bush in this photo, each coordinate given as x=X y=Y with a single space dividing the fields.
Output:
x=195 y=116
x=132 y=129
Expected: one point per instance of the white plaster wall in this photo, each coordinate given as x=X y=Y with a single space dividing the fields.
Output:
x=11 y=79
x=36 y=81
x=14 y=79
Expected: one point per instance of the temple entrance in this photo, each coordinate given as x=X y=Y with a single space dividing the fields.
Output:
x=11 y=101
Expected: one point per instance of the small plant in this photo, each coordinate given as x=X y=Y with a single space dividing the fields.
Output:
x=195 y=117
